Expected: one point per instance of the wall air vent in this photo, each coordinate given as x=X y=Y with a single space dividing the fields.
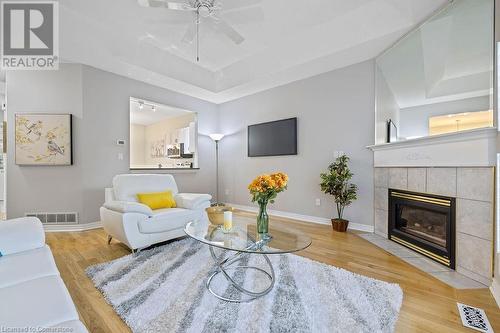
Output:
x=56 y=217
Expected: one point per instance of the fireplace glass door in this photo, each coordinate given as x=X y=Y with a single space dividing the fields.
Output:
x=422 y=223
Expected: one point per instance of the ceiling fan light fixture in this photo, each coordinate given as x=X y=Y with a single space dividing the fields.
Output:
x=206 y=9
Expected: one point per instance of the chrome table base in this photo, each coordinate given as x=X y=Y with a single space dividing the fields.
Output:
x=224 y=265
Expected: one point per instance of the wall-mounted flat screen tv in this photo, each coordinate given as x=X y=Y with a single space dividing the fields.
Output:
x=274 y=138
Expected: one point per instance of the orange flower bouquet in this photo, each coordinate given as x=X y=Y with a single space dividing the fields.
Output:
x=264 y=189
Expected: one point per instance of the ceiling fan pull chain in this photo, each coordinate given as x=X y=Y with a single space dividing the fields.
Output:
x=197 y=36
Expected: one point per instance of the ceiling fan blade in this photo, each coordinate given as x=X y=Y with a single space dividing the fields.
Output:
x=166 y=4
x=179 y=6
x=190 y=34
x=151 y=3
x=229 y=31
x=245 y=15
x=233 y=4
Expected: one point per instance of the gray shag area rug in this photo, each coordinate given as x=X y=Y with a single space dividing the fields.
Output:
x=163 y=290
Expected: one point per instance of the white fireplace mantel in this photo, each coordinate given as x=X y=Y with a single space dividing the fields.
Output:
x=474 y=148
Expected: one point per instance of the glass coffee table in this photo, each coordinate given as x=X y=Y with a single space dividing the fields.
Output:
x=241 y=241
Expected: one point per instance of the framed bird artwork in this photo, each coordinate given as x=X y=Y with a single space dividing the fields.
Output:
x=43 y=139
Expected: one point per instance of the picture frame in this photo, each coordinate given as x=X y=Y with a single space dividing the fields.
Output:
x=43 y=139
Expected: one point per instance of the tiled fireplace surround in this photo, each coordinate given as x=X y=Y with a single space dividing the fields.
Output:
x=473 y=189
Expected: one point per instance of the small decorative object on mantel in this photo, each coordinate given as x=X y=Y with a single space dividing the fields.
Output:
x=336 y=183
x=392 y=131
x=264 y=189
x=43 y=139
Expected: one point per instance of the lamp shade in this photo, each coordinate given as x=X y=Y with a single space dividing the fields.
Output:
x=216 y=136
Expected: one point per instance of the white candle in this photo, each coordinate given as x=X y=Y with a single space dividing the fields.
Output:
x=228 y=220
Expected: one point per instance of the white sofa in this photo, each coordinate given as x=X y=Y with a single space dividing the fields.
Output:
x=135 y=224
x=32 y=293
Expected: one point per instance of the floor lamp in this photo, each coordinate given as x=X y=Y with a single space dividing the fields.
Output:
x=216 y=137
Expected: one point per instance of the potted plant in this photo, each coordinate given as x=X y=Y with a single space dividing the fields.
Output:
x=336 y=183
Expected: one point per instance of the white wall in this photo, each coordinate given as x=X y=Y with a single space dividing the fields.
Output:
x=386 y=107
x=335 y=112
x=414 y=121
x=99 y=102
x=496 y=279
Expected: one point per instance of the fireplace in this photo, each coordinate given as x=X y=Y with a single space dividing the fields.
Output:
x=424 y=223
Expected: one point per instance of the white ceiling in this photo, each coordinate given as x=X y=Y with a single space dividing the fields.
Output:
x=449 y=58
x=147 y=116
x=290 y=40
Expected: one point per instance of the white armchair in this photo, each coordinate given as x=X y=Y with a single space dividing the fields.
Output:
x=137 y=225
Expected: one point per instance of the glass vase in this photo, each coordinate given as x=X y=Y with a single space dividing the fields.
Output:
x=263 y=220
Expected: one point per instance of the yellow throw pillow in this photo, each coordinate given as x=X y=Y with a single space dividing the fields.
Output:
x=157 y=200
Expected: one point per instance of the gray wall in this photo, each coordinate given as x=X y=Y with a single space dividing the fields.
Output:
x=99 y=102
x=42 y=189
x=335 y=112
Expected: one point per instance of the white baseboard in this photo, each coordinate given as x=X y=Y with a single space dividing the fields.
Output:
x=71 y=227
x=495 y=290
x=305 y=218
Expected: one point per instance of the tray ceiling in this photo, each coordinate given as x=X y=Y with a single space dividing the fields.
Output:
x=289 y=40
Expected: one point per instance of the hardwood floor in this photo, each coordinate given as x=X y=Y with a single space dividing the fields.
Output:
x=429 y=305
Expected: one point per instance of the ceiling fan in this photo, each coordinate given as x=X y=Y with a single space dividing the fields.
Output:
x=209 y=10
